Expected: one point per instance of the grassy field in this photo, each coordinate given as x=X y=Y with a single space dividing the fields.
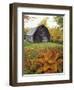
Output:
x=42 y=45
x=43 y=58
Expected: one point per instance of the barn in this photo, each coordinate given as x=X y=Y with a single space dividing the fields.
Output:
x=39 y=34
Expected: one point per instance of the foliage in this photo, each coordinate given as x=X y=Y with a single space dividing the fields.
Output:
x=59 y=20
x=56 y=34
x=43 y=58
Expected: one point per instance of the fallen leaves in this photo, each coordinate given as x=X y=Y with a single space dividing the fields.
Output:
x=48 y=60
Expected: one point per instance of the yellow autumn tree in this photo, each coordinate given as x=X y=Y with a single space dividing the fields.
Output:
x=56 y=34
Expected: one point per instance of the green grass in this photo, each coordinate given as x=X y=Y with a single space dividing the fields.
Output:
x=42 y=45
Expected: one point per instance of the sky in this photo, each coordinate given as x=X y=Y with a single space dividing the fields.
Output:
x=31 y=21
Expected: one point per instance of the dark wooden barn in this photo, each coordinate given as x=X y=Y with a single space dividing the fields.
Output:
x=41 y=34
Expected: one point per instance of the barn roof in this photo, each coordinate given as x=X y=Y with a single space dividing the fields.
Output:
x=31 y=31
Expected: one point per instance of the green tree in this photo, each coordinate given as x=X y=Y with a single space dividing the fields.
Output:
x=59 y=20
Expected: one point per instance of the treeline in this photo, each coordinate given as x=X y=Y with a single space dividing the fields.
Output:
x=56 y=34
